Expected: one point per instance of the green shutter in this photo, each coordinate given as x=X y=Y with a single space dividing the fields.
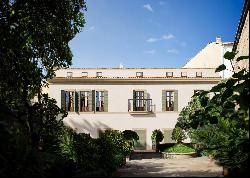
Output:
x=90 y=101
x=76 y=101
x=93 y=100
x=105 y=101
x=63 y=100
x=176 y=100
x=163 y=100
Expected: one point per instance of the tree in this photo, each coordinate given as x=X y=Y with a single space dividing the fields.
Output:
x=178 y=135
x=34 y=43
x=220 y=125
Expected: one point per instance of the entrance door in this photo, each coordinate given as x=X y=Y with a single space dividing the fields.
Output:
x=141 y=143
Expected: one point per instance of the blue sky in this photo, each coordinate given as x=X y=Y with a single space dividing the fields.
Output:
x=151 y=33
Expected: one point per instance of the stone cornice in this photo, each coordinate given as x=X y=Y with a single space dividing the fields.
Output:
x=98 y=80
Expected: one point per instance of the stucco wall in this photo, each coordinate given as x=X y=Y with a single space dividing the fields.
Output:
x=118 y=117
x=125 y=72
x=243 y=46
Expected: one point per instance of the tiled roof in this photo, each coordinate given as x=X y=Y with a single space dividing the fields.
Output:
x=131 y=68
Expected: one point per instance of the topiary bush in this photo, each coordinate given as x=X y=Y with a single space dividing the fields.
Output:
x=178 y=135
x=157 y=136
x=130 y=137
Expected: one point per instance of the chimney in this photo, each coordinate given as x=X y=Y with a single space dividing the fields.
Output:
x=121 y=66
x=218 y=40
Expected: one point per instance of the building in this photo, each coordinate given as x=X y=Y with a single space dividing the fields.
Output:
x=139 y=99
x=211 y=56
x=241 y=43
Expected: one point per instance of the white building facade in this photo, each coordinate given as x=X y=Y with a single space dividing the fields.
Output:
x=139 y=99
x=211 y=56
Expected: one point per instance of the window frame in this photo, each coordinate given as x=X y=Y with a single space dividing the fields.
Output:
x=86 y=101
x=69 y=73
x=169 y=100
x=85 y=73
x=139 y=73
x=182 y=74
x=97 y=74
x=169 y=73
x=198 y=75
x=66 y=106
x=100 y=101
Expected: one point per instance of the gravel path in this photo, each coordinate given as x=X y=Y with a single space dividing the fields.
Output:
x=191 y=167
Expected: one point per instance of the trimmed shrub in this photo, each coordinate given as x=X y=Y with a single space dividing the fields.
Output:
x=178 y=135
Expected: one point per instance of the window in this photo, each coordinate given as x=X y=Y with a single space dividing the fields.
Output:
x=198 y=91
x=99 y=100
x=139 y=74
x=69 y=74
x=98 y=74
x=169 y=74
x=169 y=100
x=84 y=101
x=198 y=74
x=138 y=100
x=84 y=74
x=69 y=100
x=184 y=74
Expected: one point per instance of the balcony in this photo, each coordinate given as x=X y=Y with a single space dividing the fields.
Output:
x=140 y=106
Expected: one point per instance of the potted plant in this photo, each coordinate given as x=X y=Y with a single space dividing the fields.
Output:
x=130 y=137
x=156 y=137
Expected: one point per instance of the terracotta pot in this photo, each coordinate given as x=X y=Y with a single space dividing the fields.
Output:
x=225 y=171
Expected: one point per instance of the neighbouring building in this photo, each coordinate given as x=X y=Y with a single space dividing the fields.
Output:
x=241 y=43
x=211 y=56
x=139 y=99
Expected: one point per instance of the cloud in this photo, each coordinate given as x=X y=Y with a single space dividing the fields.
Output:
x=174 y=51
x=164 y=37
x=151 y=40
x=91 y=28
x=168 y=37
x=151 y=51
x=148 y=7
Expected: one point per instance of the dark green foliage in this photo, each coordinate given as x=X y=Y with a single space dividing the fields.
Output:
x=157 y=136
x=178 y=135
x=130 y=136
x=220 y=126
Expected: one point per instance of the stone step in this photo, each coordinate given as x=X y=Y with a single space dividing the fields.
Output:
x=144 y=154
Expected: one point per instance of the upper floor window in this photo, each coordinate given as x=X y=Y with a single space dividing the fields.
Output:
x=198 y=74
x=184 y=74
x=69 y=74
x=84 y=74
x=169 y=74
x=138 y=100
x=169 y=100
x=139 y=74
x=99 y=100
x=84 y=101
x=68 y=100
x=98 y=74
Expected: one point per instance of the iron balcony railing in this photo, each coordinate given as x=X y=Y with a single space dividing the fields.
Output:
x=137 y=105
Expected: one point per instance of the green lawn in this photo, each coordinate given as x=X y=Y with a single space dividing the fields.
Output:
x=179 y=148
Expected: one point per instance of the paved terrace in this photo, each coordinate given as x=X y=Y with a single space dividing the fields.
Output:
x=191 y=167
